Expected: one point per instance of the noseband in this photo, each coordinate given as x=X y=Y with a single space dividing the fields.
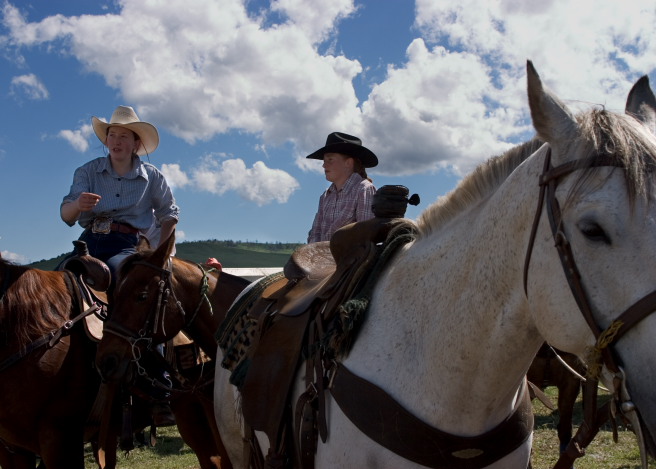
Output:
x=158 y=313
x=605 y=339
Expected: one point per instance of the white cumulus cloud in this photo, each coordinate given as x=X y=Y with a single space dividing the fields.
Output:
x=13 y=257
x=278 y=72
x=259 y=184
x=175 y=176
x=29 y=86
x=78 y=138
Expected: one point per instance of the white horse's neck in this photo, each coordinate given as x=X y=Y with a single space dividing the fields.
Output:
x=421 y=348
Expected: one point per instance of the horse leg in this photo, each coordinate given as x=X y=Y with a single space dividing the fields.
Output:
x=208 y=406
x=64 y=453
x=15 y=458
x=568 y=391
x=227 y=417
x=198 y=430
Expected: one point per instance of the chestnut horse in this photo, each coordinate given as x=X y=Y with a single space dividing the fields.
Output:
x=48 y=381
x=156 y=297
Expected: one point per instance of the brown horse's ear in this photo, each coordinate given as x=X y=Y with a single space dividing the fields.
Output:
x=163 y=252
x=143 y=244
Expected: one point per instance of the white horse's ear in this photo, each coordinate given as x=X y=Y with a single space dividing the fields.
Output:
x=552 y=120
x=641 y=103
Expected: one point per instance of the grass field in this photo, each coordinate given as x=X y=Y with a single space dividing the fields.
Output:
x=171 y=452
x=602 y=453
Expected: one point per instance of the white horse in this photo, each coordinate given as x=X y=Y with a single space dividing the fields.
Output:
x=456 y=318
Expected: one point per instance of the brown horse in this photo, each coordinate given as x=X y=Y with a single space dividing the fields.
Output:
x=156 y=297
x=48 y=382
x=548 y=370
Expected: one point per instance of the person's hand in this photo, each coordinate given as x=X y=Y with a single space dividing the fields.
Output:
x=212 y=262
x=87 y=201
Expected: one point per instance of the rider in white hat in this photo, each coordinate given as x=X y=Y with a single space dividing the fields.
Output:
x=114 y=197
x=117 y=197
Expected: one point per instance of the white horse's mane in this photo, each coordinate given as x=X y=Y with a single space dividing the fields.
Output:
x=604 y=133
x=479 y=184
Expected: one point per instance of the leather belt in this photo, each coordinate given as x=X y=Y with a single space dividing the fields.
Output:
x=123 y=228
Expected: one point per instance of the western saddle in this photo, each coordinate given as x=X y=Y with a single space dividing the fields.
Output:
x=306 y=314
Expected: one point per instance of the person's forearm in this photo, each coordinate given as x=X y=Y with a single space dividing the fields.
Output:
x=70 y=212
x=167 y=228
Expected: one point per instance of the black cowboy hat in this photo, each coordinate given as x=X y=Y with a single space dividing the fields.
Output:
x=338 y=142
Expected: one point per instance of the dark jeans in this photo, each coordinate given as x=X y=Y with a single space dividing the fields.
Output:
x=111 y=248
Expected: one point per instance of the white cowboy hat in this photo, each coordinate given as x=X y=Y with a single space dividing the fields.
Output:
x=124 y=116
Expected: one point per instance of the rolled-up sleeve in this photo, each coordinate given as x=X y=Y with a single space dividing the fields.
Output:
x=164 y=205
x=81 y=183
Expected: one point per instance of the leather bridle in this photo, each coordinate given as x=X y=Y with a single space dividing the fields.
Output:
x=603 y=352
x=157 y=316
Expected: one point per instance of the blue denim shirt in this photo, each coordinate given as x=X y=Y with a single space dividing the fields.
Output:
x=132 y=199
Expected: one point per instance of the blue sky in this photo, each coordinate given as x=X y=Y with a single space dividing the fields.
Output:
x=241 y=91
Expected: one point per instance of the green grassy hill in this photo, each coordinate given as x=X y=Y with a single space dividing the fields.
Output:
x=229 y=253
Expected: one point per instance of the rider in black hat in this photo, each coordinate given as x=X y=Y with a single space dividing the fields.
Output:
x=349 y=197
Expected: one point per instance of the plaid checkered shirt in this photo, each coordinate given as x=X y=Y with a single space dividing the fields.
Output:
x=338 y=208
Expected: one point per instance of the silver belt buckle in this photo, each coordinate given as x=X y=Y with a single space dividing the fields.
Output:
x=101 y=225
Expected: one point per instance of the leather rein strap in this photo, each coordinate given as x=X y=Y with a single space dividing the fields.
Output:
x=593 y=418
x=53 y=337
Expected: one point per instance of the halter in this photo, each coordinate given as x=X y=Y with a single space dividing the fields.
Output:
x=157 y=315
x=602 y=351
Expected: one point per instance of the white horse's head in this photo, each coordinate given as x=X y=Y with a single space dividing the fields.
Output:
x=606 y=225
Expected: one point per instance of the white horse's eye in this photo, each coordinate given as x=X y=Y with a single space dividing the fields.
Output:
x=594 y=232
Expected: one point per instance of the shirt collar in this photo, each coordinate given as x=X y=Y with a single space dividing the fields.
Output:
x=353 y=180
x=136 y=171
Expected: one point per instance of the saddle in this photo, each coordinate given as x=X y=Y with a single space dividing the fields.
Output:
x=93 y=278
x=318 y=279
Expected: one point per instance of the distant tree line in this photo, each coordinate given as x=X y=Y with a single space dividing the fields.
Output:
x=229 y=243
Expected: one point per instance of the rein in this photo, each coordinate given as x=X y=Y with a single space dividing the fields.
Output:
x=52 y=337
x=165 y=290
x=602 y=351
x=157 y=316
